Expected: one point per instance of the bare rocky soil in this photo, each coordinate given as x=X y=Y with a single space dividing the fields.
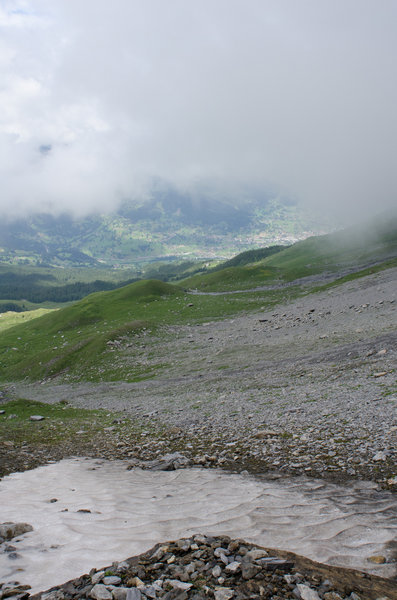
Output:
x=308 y=387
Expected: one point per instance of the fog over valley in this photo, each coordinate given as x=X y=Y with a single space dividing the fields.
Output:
x=101 y=100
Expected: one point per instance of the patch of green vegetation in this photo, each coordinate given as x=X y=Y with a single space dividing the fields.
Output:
x=249 y=257
x=10 y=319
x=60 y=422
x=232 y=278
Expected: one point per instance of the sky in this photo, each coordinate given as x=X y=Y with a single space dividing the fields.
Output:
x=99 y=98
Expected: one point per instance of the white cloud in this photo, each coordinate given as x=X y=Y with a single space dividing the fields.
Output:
x=299 y=95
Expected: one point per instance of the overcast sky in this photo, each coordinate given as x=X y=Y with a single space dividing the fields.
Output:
x=97 y=97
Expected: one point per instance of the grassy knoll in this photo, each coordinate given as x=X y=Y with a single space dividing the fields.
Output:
x=79 y=341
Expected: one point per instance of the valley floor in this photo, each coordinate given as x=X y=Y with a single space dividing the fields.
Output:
x=307 y=387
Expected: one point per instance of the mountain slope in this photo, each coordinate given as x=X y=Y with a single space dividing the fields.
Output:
x=344 y=251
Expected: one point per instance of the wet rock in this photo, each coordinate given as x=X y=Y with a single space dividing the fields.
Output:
x=8 y=531
x=377 y=559
x=169 y=462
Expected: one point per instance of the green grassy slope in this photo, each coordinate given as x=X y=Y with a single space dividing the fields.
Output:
x=78 y=341
x=351 y=248
x=73 y=338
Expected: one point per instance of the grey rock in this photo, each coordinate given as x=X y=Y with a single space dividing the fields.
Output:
x=233 y=567
x=111 y=580
x=97 y=577
x=176 y=584
x=100 y=592
x=133 y=594
x=223 y=593
x=307 y=593
x=149 y=591
x=249 y=570
x=216 y=571
x=169 y=462
x=36 y=418
x=120 y=593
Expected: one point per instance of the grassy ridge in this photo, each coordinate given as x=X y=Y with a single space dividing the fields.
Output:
x=328 y=253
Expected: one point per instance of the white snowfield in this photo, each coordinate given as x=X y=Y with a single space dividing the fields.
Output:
x=132 y=510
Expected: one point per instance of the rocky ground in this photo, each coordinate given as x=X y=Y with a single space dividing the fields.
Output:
x=309 y=387
x=219 y=568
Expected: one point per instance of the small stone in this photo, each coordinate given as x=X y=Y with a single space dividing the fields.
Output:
x=216 y=571
x=233 y=567
x=97 y=577
x=111 y=580
x=272 y=563
x=120 y=593
x=149 y=591
x=122 y=567
x=176 y=584
x=133 y=594
x=379 y=456
x=377 y=559
x=256 y=553
x=266 y=433
x=100 y=592
x=249 y=570
x=136 y=582
x=219 y=551
x=381 y=374
x=223 y=593
x=36 y=418
x=307 y=593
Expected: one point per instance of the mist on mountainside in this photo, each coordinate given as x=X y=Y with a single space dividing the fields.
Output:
x=98 y=103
